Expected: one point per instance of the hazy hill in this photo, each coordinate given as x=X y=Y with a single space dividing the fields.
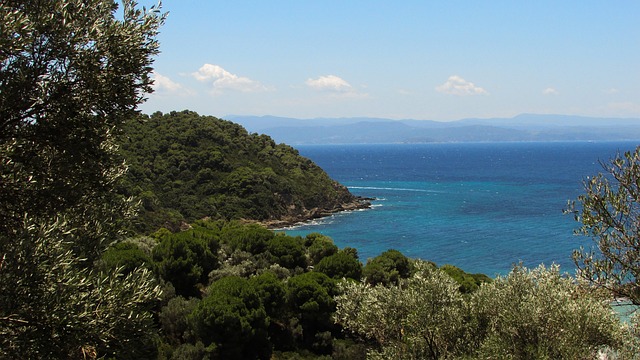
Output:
x=525 y=127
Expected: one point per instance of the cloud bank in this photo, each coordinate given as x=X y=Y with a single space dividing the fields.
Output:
x=455 y=85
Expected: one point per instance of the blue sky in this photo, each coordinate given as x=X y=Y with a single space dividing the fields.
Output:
x=435 y=60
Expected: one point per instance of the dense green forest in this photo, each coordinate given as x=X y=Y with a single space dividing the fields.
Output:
x=184 y=167
x=241 y=291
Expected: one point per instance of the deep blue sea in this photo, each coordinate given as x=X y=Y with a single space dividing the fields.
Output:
x=480 y=206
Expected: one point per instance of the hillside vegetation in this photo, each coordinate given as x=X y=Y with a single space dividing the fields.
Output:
x=185 y=167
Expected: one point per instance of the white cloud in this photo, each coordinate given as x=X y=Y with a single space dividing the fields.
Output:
x=221 y=79
x=335 y=86
x=611 y=91
x=330 y=83
x=164 y=85
x=550 y=91
x=455 y=85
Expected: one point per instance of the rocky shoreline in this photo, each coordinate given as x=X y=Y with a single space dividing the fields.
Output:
x=357 y=203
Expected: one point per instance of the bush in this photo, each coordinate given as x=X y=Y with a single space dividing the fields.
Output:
x=319 y=246
x=232 y=322
x=127 y=256
x=540 y=314
x=468 y=282
x=287 y=251
x=340 y=265
x=311 y=296
x=387 y=268
x=186 y=258
x=420 y=318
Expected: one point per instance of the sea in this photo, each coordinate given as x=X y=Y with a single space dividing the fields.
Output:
x=482 y=207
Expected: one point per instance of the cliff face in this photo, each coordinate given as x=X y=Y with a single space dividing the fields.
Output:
x=184 y=167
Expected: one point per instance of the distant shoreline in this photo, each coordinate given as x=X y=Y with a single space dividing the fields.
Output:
x=521 y=128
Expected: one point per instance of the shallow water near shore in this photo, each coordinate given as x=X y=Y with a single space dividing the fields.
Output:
x=480 y=206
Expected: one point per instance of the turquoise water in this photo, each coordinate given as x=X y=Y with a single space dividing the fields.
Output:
x=480 y=206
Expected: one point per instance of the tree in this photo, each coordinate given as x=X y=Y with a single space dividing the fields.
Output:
x=186 y=258
x=541 y=314
x=71 y=74
x=468 y=282
x=252 y=238
x=271 y=291
x=340 y=265
x=319 y=246
x=231 y=321
x=173 y=318
x=311 y=295
x=287 y=251
x=125 y=256
x=419 y=318
x=52 y=307
x=387 y=268
x=610 y=214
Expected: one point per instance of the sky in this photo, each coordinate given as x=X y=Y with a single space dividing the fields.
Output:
x=427 y=60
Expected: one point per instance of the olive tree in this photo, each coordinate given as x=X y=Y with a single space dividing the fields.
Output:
x=540 y=314
x=52 y=307
x=609 y=213
x=71 y=73
x=419 y=318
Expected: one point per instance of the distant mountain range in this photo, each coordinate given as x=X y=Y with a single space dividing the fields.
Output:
x=525 y=127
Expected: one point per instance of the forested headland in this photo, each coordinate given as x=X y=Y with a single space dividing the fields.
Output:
x=185 y=167
x=126 y=236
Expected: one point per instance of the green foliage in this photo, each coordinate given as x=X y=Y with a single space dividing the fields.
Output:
x=299 y=355
x=71 y=74
x=609 y=213
x=68 y=83
x=271 y=291
x=346 y=349
x=185 y=351
x=187 y=167
x=421 y=318
x=251 y=238
x=539 y=314
x=311 y=296
x=125 y=256
x=468 y=282
x=287 y=251
x=340 y=265
x=54 y=308
x=232 y=322
x=174 y=321
x=186 y=258
x=536 y=314
x=630 y=347
x=319 y=246
x=387 y=268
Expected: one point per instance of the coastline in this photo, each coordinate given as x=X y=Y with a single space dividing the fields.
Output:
x=357 y=203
